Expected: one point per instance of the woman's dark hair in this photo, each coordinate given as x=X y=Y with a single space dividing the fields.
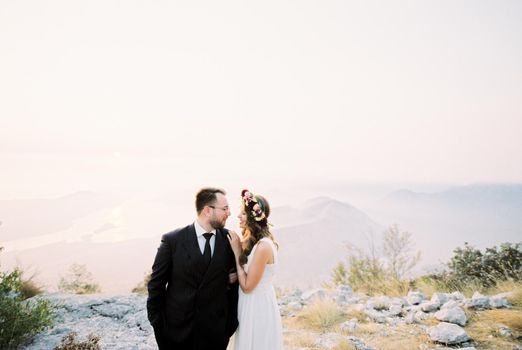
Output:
x=254 y=230
x=206 y=196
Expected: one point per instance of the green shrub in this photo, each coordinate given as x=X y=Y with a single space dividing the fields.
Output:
x=470 y=269
x=69 y=343
x=20 y=318
x=78 y=281
x=379 y=270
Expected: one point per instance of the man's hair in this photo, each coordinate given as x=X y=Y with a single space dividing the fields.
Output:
x=207 y=196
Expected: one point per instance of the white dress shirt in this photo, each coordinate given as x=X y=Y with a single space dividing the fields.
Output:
x=201 y=239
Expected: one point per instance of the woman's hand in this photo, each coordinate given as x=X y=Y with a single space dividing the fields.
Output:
x=235 y=243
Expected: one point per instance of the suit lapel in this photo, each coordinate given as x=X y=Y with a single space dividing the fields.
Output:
x=193 y=253
x=191 y=243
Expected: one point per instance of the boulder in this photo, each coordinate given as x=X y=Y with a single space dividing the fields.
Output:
x=499 y=301
x=349 y=326
x=439 y=298
x=477 y=301
x=452 y=315
x=457 y=296
x=450 y=304
x=447 y=333
x=415 y=297
x=313 y=295
x=429 y=306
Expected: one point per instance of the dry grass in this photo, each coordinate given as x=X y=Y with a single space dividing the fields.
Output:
x=516 y=292
x=344 y=345
x=430 y=322
x=352 y=312
x=484 y=328
x=429 y=286
x=321 y=316
x=387 y=337
x=298 y=339
x=69 y=342
x=426 y=287
x=30 y=288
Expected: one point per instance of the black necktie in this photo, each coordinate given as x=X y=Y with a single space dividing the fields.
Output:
x=206 y=252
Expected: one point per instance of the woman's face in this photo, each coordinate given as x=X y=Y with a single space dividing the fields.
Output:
x=242 y=218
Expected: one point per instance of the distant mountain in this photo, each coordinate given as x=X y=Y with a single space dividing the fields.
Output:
x=118 y=266
x=313 y=238
x=312 y=235
x=22 y=218
x=482 y=214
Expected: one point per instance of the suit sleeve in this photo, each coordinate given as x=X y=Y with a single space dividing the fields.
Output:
x=232 y=295
x=158 y=282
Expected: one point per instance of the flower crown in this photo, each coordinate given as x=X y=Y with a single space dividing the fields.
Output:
x=256 y=208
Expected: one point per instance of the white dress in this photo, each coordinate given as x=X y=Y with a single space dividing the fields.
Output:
x=258 y=314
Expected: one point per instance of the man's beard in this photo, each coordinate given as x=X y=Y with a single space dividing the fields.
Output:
x=215 y=223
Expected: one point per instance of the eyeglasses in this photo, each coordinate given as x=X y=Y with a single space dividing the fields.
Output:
x=225 y=209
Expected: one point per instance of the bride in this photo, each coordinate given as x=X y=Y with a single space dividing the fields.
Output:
x=258 y=313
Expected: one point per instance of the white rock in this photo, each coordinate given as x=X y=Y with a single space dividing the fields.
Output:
x=504 y=331
x=499 y=301
x=478 y=301
x=314 y=294
x=395 y=310
x=448 y=333
x=349 y=326
x=377 y=316
x=439 y=298
x=342 y=294
x=415 y=298
x=450 y=304
x=420 y=316
x=453 y=315
x=457 y=296
x=429 y=306
x=379 y=303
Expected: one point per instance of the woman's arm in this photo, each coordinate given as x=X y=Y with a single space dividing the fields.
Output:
x=262 y=256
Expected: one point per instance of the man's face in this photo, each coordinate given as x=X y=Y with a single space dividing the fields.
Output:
x=220 y=212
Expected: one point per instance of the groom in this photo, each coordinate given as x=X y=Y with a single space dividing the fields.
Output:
x=192 y=304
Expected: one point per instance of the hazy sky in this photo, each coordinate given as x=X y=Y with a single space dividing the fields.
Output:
x=131 y=95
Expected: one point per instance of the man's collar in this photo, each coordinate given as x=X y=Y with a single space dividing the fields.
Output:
x=200 y=230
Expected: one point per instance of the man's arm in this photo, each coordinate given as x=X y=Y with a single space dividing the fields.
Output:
x=158 y=282
x=232 y=292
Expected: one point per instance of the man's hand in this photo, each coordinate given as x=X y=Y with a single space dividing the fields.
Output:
x=232 y=277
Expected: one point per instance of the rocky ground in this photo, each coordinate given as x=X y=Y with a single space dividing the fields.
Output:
x=314 y=319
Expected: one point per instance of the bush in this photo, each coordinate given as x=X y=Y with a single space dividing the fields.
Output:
x=383 y=270
x=20 y=319
x=141 y=288
x=480 y=270
x=69 y=343
x=321 y=315
x=78 y=281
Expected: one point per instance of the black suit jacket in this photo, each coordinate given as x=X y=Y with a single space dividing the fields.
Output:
x=185 y=300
